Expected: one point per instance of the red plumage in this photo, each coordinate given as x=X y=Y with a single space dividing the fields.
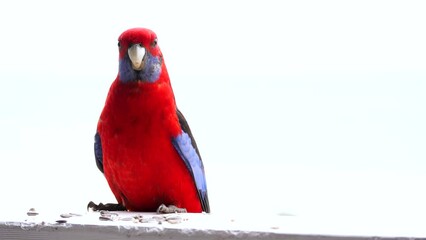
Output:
x=140 y=163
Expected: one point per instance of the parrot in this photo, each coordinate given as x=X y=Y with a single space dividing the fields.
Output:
x=143 y=144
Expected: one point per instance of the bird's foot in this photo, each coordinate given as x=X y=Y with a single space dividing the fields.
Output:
x=170 y=209
x=108 y=207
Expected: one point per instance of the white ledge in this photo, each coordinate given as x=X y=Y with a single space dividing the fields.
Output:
x=133 y=225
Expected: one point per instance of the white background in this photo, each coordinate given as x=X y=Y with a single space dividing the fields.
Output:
x=298 y=107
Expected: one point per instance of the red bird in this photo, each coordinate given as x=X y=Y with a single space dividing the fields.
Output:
x=143 y=144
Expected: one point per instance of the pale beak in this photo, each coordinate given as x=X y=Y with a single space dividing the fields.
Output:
x=136 y=54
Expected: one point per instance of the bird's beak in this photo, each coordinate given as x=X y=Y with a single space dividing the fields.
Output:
x=136 y=54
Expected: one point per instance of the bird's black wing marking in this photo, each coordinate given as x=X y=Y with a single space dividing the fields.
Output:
x=185 y=127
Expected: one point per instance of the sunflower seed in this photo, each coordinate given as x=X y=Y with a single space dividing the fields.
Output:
x=32 y=212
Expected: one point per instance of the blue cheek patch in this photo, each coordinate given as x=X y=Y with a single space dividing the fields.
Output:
x=150 y=73
x=183 y=145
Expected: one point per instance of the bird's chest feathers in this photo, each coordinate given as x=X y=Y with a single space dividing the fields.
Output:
x=139 y=123
x=143 y=112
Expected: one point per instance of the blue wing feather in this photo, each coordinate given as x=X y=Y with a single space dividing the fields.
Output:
x=98 y=152
x=188 y=151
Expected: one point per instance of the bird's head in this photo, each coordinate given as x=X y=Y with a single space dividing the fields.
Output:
x=140 y=57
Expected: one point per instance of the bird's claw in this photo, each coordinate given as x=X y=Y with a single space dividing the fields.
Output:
x=163 y=209
x=108 y=207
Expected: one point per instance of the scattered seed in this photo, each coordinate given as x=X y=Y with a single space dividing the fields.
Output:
x=103 y=212
x=105 y=218
x=159 y=218
x=147 y=220
x=61 y=221
x=174 y=219
x=126 y=219
x=108 y=216
x=68 y=215
x=139 y=218
x=108 y=213
x=32 y=212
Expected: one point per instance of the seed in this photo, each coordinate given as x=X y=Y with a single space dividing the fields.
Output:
x=32 y=212
x=105 y=218
x=174 y=219
x=66 y=215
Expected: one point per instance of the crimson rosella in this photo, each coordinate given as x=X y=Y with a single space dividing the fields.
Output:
x=143 y=144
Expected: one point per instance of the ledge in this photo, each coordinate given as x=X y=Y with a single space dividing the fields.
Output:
x=133 y=225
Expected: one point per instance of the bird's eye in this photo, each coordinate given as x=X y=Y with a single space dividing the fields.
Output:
x=119 y=45
x=154 y=43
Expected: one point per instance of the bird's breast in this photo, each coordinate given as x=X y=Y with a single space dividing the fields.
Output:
x=140 y=162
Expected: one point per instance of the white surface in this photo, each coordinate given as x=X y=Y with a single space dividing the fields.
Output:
x=251 y=226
